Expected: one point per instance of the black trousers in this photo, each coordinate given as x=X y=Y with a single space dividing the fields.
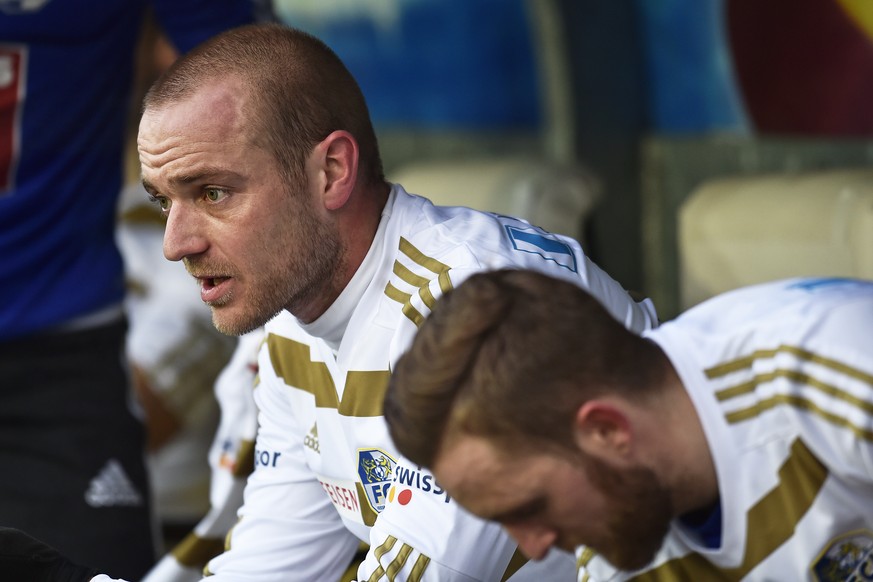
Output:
x=72 y=469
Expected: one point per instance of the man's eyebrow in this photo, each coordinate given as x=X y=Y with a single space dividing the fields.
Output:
x=148 y=186
x=202 y=174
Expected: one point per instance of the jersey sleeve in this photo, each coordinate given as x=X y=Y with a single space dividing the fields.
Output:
x=832 y=384
x=637 y=316
x=288 y=529
x=190 y=22
x=455 y=546
x=230 y=462
x=562 y=257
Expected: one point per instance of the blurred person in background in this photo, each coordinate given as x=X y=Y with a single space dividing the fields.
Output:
x=71 y=445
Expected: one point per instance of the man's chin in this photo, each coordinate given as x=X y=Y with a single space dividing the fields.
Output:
x=235 y=325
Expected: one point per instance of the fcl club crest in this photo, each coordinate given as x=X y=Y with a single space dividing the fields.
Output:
x=376 y=470
x=846 y=558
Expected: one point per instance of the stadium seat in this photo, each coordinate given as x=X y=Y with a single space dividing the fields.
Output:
x=736 y=232
x=553 y=196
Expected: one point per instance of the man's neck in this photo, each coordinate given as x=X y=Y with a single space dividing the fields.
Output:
x=692 y=475
x=332 y=322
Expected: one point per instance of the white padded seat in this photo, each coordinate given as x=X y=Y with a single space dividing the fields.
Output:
x=736 y=232
x=553 y=196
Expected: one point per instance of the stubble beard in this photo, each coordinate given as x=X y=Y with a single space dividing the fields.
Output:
x=640 y=512
x=301 y=268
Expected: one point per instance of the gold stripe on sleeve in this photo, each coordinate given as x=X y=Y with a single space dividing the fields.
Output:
x=380 y=551
x=427 y=297
x=408 y=276
x=585 y=556
x=441 y=270
x=445 y=281
x=245 y=459
x=418 y=569
x=194 y=551
x=431 y=264
x=798 y=378
x=746 y=362
x=397 y=563
x=404 y=299
x=802 y=403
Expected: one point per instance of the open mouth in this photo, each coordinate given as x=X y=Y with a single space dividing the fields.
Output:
x=213 y=289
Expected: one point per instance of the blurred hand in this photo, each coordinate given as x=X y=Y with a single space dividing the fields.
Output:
x=162 y=424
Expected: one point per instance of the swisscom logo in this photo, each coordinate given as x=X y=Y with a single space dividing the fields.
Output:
x=407 y=479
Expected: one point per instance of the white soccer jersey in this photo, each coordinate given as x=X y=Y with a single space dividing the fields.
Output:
x=326 y=473
x=781 y=375
x=230 y=462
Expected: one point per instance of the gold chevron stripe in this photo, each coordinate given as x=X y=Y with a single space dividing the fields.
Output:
x=364 y=390
x=769 y=523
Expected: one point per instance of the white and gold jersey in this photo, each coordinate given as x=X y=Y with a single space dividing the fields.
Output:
x=230 y=462
x=781 y=375
x=327 y=476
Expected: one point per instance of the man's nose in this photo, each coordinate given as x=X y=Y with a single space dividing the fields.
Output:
x=533 y=540
x=183 y=234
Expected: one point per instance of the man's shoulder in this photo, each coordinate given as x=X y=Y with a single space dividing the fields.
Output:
x=458 y=237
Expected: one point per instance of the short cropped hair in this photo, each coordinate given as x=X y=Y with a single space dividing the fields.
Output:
x=299 y=92
x=511 y=355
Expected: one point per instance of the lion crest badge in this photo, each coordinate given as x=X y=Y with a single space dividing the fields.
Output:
x=848 y=557
x=376 y=470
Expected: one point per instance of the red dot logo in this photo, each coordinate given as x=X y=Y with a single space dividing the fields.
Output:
x=404 y=497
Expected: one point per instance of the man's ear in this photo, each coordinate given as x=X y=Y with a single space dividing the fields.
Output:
x=602 y=429
x=336 y=164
